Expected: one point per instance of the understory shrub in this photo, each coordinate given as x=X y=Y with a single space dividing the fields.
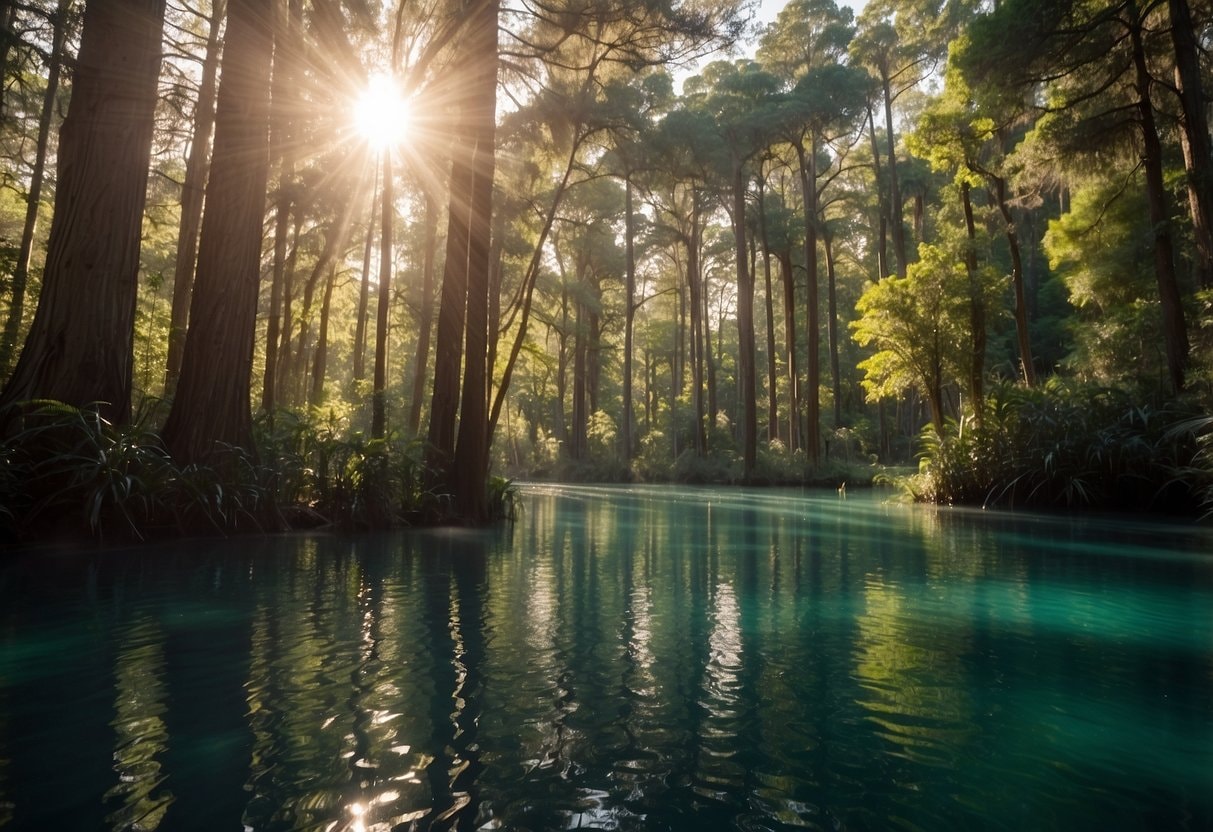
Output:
x=67 y=471
x=1068 y=446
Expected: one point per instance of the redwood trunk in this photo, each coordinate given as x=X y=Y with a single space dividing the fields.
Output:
x=1194 y=136
x=79 y=349
x=192 y=192
x=211 y=408
x=1174 y=327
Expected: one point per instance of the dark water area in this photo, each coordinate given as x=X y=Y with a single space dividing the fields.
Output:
x=621 y=658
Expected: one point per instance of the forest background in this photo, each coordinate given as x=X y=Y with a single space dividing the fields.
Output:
x=267 y=262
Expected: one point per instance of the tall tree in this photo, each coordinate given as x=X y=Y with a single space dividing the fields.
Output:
x=33 y=199
x=79 y=349
x=739 y=94
x=1194 y=135
x=193 y=189
x=1095 y=62
x=383 y=300
x=287 y=57
x=212 y=408
x=425 y=313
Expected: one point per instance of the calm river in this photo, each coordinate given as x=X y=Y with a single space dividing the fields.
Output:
x=621 y=658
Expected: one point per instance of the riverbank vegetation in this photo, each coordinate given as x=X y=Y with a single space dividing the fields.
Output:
x=364 y=265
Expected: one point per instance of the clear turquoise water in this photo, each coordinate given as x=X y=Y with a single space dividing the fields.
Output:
x=624 y=658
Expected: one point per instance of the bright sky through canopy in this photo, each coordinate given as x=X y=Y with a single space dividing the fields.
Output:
x=381 y=112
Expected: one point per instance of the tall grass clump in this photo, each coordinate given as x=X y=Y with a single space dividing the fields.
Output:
x=1067 y=446
x=68 y=472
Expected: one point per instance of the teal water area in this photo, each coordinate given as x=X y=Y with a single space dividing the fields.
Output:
x=621 y=658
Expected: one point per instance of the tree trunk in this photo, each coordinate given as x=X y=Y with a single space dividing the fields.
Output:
x=364 y=288
x=320 y=356
x=1022 y=336
x=807 y=159
x=1174 y=327
x=452 y=310
x=79 y=348
x=278 y=323
x=425 y=324
x=746 y=364
x=33 y=200
x=1194 y=136
x=629 y=316
x=8 y=19
x=896 y=218
x=772 y=386
x=697 y=334
x=882 y=235
x=523 y=310
x=384 y=299
x=789 y=325
x=192 y=191
x=977 y=310
x=472 y=450
x=334 y=245
x=832 y=329
x=581 y=337
x=211 y=407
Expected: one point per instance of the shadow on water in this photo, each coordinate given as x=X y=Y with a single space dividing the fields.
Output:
x=621 y=658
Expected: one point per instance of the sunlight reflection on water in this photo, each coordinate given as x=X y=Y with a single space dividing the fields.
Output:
x=622 y=658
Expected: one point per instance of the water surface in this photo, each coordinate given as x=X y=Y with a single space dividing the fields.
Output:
x=621 y=658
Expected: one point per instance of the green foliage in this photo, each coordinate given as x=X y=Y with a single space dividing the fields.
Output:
x=1102 y=249
x=1069 y=446
x=326 y=473
x=916 y=325
x=67 y=470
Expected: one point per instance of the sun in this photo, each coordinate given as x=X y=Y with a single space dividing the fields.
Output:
x=381 y=112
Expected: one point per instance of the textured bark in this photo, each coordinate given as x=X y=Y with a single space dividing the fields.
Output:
x=472 y=450
x=212 y=407
x=1194 y=136
x=33 y=199
x=79 y=349
x=193 y=189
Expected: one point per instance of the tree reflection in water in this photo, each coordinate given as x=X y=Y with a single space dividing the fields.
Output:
x=621 y=658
